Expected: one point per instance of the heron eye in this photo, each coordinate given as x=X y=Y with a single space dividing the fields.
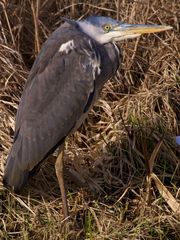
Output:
x=107 y=27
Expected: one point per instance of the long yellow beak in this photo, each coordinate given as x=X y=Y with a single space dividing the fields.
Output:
x=125 y=31
x=142 y=28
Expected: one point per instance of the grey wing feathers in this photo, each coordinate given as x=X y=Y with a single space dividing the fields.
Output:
x=61 y=87
x=53 y=100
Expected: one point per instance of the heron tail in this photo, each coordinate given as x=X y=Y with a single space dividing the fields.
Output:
x=14 y=177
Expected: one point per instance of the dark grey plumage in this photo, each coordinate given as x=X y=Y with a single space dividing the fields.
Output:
x=60 y=90
x=63 y=84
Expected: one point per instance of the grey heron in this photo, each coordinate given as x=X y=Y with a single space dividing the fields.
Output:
x=63 y=84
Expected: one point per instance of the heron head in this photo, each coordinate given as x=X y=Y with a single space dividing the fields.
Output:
x=106 y=29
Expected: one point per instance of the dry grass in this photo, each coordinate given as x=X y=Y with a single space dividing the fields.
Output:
x=129 y=134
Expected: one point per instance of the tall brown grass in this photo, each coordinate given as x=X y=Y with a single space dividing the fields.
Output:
x=122 y=166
